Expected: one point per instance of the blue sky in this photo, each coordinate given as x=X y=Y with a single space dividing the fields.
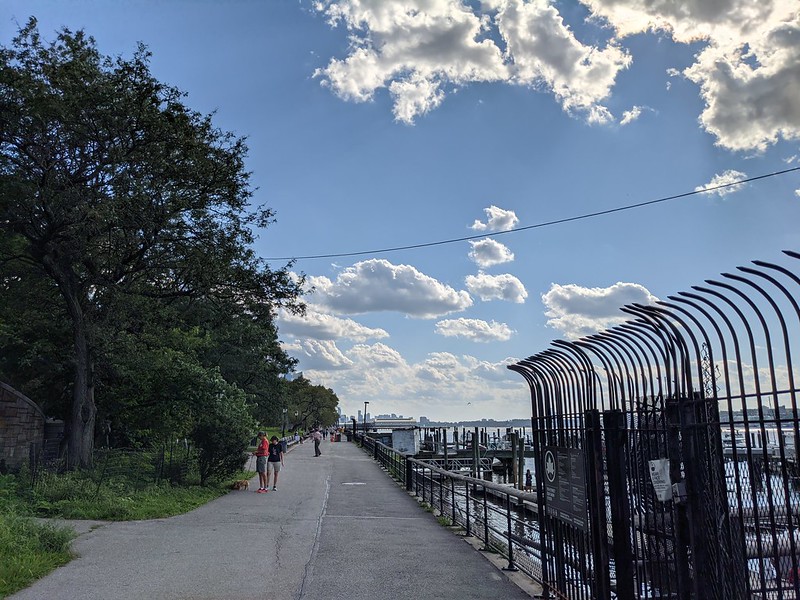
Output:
x=381 y=123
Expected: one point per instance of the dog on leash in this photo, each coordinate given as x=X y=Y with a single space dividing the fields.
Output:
x=242 y=484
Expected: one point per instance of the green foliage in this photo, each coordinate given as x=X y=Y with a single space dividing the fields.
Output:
x=222 y=430
x=444 y=521
x=314 y=405
x=29 y=550
x=124 y=214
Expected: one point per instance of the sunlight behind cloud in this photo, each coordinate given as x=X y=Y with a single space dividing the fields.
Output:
x=578 y=311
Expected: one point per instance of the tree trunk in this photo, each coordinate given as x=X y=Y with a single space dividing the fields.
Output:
x=80 y=444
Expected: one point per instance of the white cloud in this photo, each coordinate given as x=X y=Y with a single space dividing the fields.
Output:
x=321 y=355
x=441 y=385
x=422 y=49
x=578 y=311
x=749 y=70
x=488 y=252
x=629 y=116
x=496 y=287
x=413 y=48
x=475 y=330
x=497 y=219
x=322 y=326
x=545 y=51
x=726 y=178
x=378 y=285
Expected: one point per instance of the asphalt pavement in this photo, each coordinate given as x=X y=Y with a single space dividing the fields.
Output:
x=338 y=526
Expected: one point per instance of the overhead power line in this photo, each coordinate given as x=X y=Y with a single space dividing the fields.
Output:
x=539 y=225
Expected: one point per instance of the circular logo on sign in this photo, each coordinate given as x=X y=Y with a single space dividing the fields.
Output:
x=550 y=466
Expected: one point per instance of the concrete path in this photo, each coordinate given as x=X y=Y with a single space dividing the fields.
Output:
x=338 y=526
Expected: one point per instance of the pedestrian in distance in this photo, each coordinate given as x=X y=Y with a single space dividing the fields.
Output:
x=274 y=462
x=528 y=481
x=261 y=453
x=317 y=437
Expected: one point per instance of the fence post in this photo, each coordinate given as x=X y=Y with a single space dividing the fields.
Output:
x=616 y=446
x=409 y=475
x=510 y=566
x=597 y=506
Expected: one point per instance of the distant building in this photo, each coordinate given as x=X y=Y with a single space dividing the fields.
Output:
x=395 y=423
x=424 y=420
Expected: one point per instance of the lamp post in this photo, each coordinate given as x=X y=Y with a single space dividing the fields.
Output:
x=283 y=433
x=365 y=417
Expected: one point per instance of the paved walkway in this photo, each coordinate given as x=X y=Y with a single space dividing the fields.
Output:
x=338 y=526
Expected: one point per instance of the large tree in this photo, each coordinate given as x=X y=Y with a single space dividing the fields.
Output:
x=112 y=187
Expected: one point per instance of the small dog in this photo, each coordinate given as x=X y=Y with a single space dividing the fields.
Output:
x=242 y=484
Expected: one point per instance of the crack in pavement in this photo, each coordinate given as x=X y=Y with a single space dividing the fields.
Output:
x=317 y=536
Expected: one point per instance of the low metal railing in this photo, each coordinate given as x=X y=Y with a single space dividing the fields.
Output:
x=503 y=518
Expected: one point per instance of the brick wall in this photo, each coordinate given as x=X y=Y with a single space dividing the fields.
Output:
x=21 y=423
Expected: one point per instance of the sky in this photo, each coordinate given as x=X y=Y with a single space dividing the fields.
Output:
x=378 y=124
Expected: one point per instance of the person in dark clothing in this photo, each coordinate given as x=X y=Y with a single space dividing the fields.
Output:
x=274 y=461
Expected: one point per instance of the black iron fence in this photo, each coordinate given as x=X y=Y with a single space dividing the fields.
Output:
x=665 y=447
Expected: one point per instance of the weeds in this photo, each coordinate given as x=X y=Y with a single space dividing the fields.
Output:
x=29 y=550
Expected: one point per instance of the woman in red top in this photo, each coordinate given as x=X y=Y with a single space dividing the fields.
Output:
x=261 y=462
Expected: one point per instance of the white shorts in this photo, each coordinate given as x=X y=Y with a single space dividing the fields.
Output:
x=275 y=467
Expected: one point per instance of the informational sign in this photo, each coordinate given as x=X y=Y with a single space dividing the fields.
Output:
x=565 y=485
x=659 y=475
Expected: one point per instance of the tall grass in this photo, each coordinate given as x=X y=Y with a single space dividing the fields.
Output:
x=29 y=550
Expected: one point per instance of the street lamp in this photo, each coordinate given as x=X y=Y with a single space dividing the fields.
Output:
x=285 y=410
x=365 y=417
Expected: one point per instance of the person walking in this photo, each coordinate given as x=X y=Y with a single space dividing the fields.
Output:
x=274 y=461
x=317 y=437
x=261 y=453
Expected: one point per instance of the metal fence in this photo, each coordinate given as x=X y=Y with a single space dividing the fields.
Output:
x=665 y=447
x=137 y=468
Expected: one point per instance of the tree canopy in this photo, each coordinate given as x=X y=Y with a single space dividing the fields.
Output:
x=126 y=260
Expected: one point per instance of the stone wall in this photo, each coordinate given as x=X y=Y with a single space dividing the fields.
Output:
x=21 y=424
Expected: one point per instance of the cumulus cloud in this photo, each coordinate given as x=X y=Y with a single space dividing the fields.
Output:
x=420 y=50
x=321 y=355
x=319 y=325
x=416 y=49
x=377 y=285
x=496 y=287
x=747 y=68
x=475 y=330
x=728 y=179
x=497 y=219
x=488 y=252
x=748 y=71
x=545 y=51
x=578 y=311
x=440 y=383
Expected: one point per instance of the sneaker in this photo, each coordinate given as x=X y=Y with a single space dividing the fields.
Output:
x=274 y=489
x=261 y=491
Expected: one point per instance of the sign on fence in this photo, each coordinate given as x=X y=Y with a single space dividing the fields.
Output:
x=565 y=485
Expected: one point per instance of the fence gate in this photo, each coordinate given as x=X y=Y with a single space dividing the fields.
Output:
x=665 y=446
